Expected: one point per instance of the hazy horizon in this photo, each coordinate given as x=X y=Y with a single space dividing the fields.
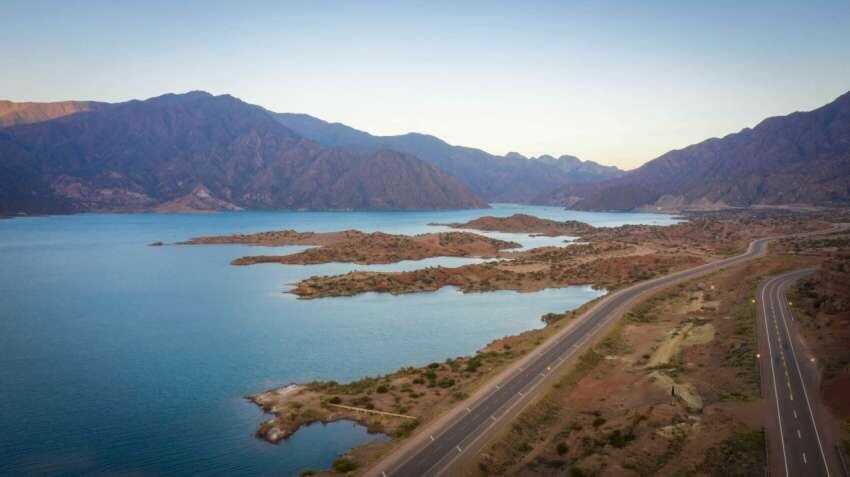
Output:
x=616 y=83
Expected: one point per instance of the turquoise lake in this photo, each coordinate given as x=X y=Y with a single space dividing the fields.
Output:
x=118 y=358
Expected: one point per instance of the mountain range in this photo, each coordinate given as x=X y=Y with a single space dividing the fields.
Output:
x=509 y=178
x=195 y=150
x=799 y=159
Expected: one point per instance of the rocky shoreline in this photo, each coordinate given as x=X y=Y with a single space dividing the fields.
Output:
x=608 y=258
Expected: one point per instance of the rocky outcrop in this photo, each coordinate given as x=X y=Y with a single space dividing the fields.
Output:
x=199 y=200
x=524 y=223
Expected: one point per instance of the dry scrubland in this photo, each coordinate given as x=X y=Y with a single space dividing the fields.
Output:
x=612 y=412
x=611 y=258
x=672 y=390
x=821 y=303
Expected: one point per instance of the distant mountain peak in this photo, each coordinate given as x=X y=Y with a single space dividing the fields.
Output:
x=799 y=159
x=196 y=151
x=515 y=155
x=509 y=178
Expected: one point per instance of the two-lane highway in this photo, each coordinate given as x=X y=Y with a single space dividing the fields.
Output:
x=798 y=447
x=435 y=449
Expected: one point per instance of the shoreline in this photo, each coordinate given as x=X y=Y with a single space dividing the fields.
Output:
x=317 y=398
x=297 y=405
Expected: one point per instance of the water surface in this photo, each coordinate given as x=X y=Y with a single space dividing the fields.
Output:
x=122 y=358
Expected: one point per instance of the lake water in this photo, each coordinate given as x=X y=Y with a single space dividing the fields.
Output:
x=119 y=358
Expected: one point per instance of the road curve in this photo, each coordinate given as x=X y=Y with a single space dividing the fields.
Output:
x=797 y=448
x=436 y=448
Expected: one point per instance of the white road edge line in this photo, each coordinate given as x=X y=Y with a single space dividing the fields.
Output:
x=644 y=287
x=773 y=371
x=805 y=393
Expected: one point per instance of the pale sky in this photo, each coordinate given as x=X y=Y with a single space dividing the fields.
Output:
x=616 y=82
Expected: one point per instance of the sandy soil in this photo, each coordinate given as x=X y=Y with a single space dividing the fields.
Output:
x=673 y=391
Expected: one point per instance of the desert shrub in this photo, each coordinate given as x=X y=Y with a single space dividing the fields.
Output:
x=343 y=465
x=620 y=439
x=473 y=364
x=562 y=448
x=406 y=428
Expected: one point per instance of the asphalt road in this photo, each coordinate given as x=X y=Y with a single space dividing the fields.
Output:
x=438 y=448
x=800 y=447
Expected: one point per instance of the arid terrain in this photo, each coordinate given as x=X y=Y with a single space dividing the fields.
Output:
x=607 y=257
x=363 y=248
x=821 y=302
x=673 y=389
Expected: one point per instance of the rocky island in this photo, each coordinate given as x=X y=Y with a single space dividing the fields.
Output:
x=354 y=246
x=524 y=223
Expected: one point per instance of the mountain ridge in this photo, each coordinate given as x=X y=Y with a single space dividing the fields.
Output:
x=509 y=178
x=802 y=158
x=141 y=154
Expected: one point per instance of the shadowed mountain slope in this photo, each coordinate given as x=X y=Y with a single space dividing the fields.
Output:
x=799 y=159
x=178 y=150
x=510 y=178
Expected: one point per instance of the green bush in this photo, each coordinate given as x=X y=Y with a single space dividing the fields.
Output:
x=562 y=448
x=473 y=364
x=343 y=465
x=406 y=428
x=619 y=439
